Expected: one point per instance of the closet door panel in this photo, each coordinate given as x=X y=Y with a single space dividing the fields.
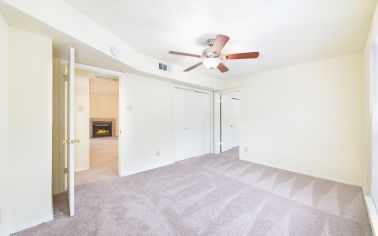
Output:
x=205 y=124
x=180 y=124
x=192 y=111
x=194 y=108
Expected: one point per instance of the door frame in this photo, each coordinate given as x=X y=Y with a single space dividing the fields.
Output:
x=62 y=119
x=218 y=117
x=121 y=114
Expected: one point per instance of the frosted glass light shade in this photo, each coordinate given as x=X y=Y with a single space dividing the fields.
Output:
x=211 y=62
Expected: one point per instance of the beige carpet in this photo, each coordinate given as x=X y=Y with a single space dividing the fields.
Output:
x=213 y=195
x=103 y=161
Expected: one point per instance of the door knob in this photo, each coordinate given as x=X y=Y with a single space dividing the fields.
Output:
x=76 y=140
x=66 y=141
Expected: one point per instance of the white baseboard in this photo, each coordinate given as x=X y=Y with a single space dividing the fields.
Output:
x=32 y=224
x=372 y=212
x=82 y=169
x=131 y=172
x=303 y=172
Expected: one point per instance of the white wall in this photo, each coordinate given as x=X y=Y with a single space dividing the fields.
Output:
x=307 y=118
x=3 y=120
x=147 y=124
x=30 y=122
x=367 y=134
x=82 y=120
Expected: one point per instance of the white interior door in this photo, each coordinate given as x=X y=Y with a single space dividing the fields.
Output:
x=230 y=109
x=226 y=123
x=70 y=141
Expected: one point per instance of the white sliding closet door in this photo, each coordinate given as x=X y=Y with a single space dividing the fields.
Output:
x=206 y=124
x=180 y=117
x=193 y=122
x=192 y=111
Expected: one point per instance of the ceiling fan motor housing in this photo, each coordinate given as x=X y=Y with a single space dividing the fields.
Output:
x=208 y=52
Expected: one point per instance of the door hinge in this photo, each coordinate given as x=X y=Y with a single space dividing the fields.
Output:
x=65 y=170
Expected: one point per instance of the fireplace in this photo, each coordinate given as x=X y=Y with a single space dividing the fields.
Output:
x=101 y=129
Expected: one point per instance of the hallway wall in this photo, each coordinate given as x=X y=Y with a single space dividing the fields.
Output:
x=30 y=123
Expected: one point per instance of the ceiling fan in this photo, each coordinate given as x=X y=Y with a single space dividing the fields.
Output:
x=212 y=56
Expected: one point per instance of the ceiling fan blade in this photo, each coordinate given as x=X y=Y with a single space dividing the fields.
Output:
x=184 y=54
x=246 y=55
x=219 y=43
x=222 y=68
x=193 y=67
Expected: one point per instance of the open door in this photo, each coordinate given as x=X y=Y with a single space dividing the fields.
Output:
x=229 y=122
x=71 y=141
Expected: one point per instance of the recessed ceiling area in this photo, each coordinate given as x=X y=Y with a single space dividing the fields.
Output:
x=284 y=32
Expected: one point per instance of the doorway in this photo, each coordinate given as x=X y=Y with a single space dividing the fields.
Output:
x=86 y=129
x=229 y=120
x=97 y=126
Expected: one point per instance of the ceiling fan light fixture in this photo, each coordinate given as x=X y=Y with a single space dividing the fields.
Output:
x=211 y=62
x=212 y=56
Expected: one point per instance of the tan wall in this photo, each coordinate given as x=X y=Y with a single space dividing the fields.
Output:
x=104 y=100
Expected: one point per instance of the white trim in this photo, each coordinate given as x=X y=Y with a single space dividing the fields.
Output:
x=372 y=213
x=121 y=126
x=95 y=69
x=71 y=112
x=146 y=169
x=233 y=90
x=82 y=169
x=192 y=89
x=98 y=69
x=32 y=224
x=301 y=172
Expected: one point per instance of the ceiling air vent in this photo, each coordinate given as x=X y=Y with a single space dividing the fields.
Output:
x=164 y=67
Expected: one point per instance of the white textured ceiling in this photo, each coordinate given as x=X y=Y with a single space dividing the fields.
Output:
x=284 y=31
